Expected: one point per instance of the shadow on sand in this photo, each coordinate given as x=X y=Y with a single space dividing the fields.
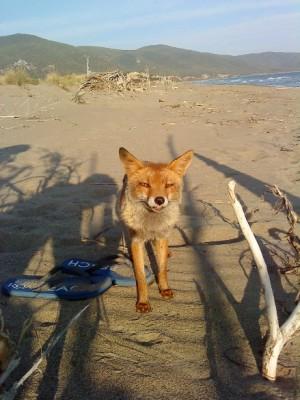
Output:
x=38 y=232
x=252 y=184
x=52 y=218
x=233 y=337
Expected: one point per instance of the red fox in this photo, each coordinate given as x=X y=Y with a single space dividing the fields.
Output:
x=149 y=208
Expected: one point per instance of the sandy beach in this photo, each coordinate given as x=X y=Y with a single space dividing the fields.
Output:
x=60 y=175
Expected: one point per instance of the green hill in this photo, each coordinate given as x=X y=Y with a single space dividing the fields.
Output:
x=159 y=59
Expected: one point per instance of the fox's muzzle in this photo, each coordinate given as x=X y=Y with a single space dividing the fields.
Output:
x=157 y=203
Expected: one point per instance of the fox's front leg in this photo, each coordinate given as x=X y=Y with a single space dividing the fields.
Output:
x=137 y=251
x=161 y=251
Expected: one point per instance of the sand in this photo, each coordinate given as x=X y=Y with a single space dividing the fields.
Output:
x=60 y=175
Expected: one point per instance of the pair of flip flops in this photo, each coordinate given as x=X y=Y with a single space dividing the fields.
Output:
x=74 y=279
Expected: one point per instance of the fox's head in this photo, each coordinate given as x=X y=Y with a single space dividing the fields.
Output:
x=155 y=185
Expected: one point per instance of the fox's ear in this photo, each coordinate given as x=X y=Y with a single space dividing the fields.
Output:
x=131 y=163
x=181 y=163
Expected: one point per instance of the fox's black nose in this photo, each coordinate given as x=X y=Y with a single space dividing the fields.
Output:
x=159 y=200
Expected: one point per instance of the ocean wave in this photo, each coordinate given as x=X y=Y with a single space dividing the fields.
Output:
x=287 y=79
x=271 y=78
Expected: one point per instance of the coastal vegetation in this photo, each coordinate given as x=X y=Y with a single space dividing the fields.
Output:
x=43 y=56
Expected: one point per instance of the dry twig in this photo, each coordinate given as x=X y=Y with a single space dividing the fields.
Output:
x=12 y=392
x=283 y=204
x=6 y=348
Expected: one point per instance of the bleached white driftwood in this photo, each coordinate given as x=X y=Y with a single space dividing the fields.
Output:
x=277 y=336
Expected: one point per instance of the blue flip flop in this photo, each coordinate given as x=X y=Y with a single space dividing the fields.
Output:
x=82 y=267
x=86 y=279
x=68 y=288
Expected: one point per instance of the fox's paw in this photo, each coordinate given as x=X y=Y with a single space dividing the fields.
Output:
x=167 y=293
x=143 y=307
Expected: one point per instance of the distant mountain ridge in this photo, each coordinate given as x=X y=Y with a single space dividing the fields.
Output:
x=45 y=55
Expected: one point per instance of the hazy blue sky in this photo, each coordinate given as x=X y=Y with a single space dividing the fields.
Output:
x=221 y=26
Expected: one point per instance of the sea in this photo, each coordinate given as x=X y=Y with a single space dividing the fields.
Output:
x=282 y=80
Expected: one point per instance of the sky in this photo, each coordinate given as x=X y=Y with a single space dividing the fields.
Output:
x=221 y=26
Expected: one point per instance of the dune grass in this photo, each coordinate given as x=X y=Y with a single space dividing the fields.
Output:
x=20 y=77
x=17 y=77
x=64 y=81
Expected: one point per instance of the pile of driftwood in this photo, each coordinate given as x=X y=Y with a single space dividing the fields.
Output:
x=119 y=82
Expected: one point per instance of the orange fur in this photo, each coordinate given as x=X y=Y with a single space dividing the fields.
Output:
x=149 y=207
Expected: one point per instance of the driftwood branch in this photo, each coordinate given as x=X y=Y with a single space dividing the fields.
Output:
x=9 y=116
x=277 y=336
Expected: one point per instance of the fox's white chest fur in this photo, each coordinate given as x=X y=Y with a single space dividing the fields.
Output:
x=146 y=224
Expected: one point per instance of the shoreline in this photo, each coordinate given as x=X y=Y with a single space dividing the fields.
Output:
x=223 y=81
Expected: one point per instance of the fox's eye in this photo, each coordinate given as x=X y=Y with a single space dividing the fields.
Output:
x=169 y=185
x=145 y=184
